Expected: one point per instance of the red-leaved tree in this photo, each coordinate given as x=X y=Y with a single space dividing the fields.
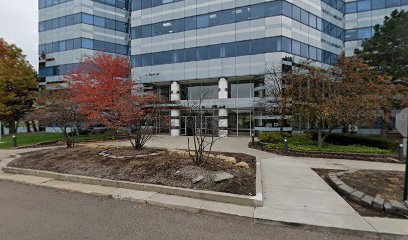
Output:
x=103 y=87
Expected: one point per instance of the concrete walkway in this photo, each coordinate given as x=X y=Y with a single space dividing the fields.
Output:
x=292 y=191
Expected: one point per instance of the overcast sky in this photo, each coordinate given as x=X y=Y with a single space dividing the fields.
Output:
x=19 y=24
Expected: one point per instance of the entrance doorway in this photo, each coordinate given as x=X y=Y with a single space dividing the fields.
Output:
x=240 y=122
x=207 y=123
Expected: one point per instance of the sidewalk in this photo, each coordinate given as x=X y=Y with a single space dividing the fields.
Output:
x=292 y=191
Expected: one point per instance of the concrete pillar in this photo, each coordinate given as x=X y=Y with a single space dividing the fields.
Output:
x=175 y=113
x=222 y=111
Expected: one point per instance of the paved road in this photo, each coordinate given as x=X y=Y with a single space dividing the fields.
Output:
x=28 y=212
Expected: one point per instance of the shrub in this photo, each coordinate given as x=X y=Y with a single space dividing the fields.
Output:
x=272 y=137
x=348 y=139
x=302 y=136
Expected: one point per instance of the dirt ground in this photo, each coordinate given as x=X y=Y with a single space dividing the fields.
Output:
x=387 y=184
x=168 y=168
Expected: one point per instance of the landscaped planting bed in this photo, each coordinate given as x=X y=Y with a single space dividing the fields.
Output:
x=154 y=166
x=304 y=145
x=385 y=185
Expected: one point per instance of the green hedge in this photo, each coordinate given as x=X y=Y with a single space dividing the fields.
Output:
x=273 y=137
x=348 y=139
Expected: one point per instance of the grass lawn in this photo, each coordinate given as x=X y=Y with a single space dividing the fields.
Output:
x=306 y=145
x=24 y=139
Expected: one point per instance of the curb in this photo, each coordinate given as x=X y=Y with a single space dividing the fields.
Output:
x=197 y=194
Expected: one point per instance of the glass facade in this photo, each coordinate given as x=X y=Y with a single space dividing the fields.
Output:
x=369 y=5
x=144 y=4
x=235 y=49
x=123 y=4
x=83 y=18
x=246 y=13
x=77 y=43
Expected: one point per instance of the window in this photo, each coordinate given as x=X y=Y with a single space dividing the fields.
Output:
x=393 y=3
x=287 y=9
x=257 y=11
x=191 y=54
x=228 y=50
x=296 y=13
x=109 y=23
x=98 y=45
x=70 y=44
x=146 y=60
x=312 y=53
x=136 y=61
x=202 y=53
x=99 y=21
x=228 y=16
x=146 y=3
x=351 y=7
x=364 y=33
x=214 y=51
x=157 y=29
x=86 y=18
x=87 y=43
x=179 y=56
x=286 y=45
x=273 y=44
x=351 y=35
x=258 y=46
x=312 y=21
x=242 y=48
x=296 y=47
x=190 y=23
x=378 y=4
x=242 y=90
x=274 y=8
x=78 y=43
x=304 y=17
x=146 y=31
x=242 y=14
x=304 y=50
x=203 y=21
x=136 y=5
x=364 y=5
x=62 y=46
x=214 y=19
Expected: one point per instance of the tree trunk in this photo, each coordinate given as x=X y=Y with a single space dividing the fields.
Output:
x=12 y=127
x=28 y=126
x=384 y=128
x=320 y=137
x=281 y=121
x=34 y=126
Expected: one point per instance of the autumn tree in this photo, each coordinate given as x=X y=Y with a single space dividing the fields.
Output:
x=103 y=87
x=344 y=95
x=55 y=107
x=18 y=85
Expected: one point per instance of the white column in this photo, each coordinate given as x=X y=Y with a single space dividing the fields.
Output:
x=223 y=112
x=175 y=113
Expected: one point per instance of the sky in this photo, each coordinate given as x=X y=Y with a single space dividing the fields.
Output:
x=19 y=25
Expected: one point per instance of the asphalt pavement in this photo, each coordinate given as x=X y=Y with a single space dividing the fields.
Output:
x=36 y=213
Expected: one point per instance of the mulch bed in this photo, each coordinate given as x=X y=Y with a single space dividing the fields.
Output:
x=347 y=156
x=386 y=184
x=169 y=168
